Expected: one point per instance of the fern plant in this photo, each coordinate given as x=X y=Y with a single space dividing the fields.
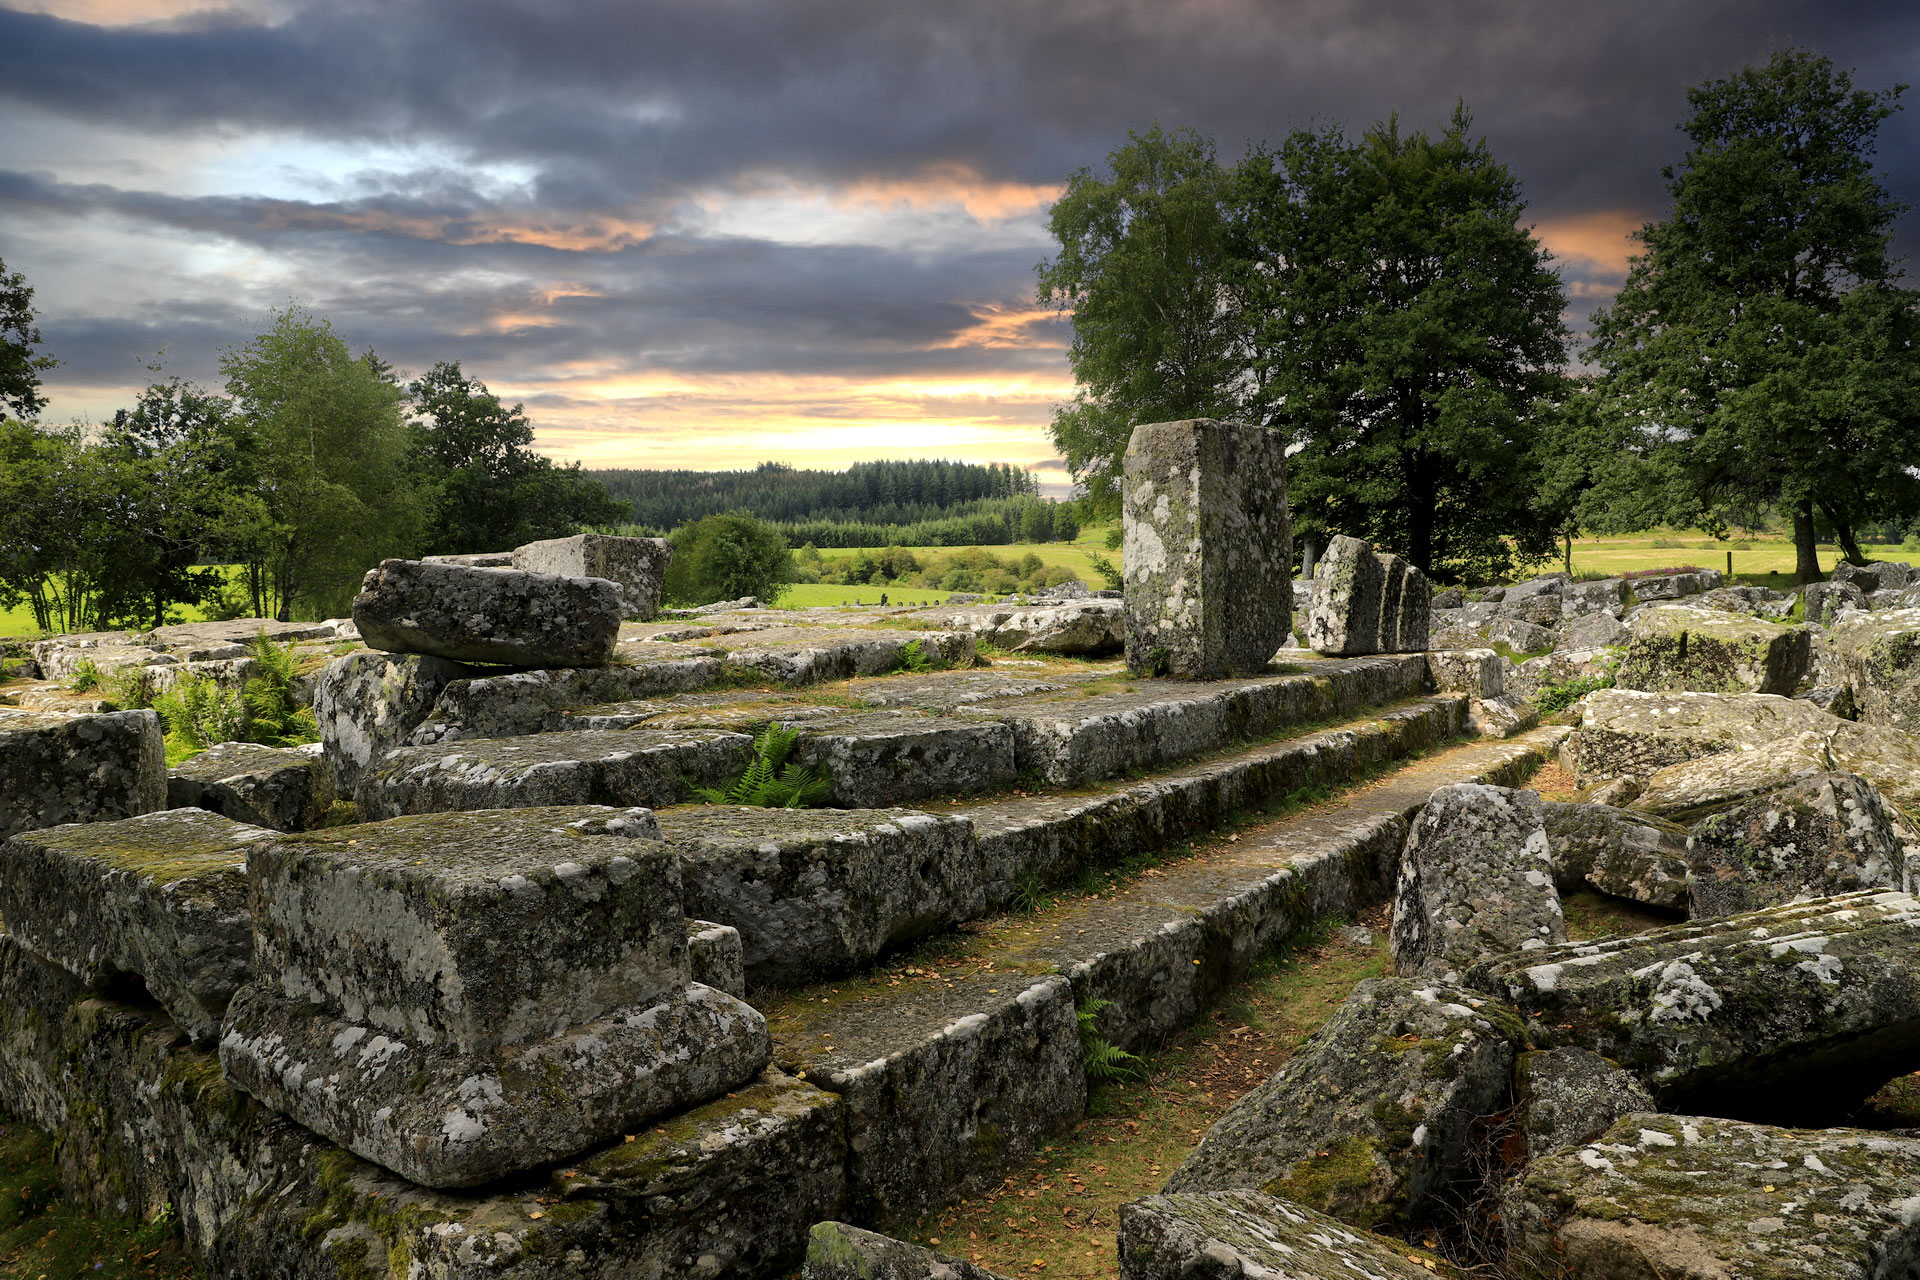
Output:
x=273 y=717
x=85 y=676
x=915 y=658
x=1106 y=1062
x=770 y=780
x=199 y=712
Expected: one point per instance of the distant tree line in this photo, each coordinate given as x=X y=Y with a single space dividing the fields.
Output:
x=875 y=493
x=1380 y=302
x=306 y=468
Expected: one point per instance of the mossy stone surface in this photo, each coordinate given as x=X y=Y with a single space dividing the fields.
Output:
x=1821 y=834
x=1676 y=648
x=1228 y=1235
x=58 y=767
x=836 y=1251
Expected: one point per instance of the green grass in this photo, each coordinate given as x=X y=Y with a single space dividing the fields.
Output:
x=43 y=1236
x=1766 y=560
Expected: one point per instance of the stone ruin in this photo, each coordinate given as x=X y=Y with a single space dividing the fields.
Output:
x=523 y=1011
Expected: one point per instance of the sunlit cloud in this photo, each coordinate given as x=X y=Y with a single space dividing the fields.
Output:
x=1599 y=243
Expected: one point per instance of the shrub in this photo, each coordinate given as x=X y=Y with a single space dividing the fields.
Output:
x=726 y=557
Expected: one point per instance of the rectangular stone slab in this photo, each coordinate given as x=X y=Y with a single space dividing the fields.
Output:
x=473 y=930
x=822 y=891
x=641 y=767
x=807 y=655
x=637 y=565
x=162 y=896
x=488 y=615
x=1793 y=1013
x=286 y=788
x=59 y=767
x=893 y=758
x=512 y=703
x=446 y=1115
x=1225 y=1235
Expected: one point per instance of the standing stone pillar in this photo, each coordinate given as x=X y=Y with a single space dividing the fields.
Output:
x=1209 y=548
x=1306 y=561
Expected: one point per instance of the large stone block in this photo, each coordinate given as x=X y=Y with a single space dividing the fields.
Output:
x=1677 y=649
x=286 y=788
x=1826 y=601
x=888 y=758
x=645 y=767
x=1626 y=854
x=474 y=929
x=162 y=896
x=1231 y=1235
x=1565 y=1097
x=367 y=703
x=1209 y=548
x=1349 y=599
x=1795 y=1013
x=1664 y=1196
x=488 y=615
x=823 y=891
x=1878 y=657
x=638 y=566
x=1476 y=879
x=521 y=702
x=1822 y=834
x=1625 y=733
x=1370 y=1120
x=59 y=767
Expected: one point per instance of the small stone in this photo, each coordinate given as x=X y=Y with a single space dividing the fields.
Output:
x=1568 y=1097
x=836 y=1251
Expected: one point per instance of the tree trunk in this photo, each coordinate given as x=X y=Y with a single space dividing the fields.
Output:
x=1843 y=531
x=1806 y=552
x=1569 y=559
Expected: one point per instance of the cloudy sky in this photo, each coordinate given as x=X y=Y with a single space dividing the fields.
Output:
x=710 y=232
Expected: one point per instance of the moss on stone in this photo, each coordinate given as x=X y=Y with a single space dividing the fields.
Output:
x=1336 y=1180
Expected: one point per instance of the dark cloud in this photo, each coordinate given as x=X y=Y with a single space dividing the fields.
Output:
x=607 y=118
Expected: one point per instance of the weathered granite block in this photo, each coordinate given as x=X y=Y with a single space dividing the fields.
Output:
x=1878 y=656
x=1679 y=649
x=521 y=702
x=1664 y=1196
x=1629 y=855
x=890 y=758
x=444 y=1114
x=1409 y=608
x=488 y=615
x=1794 y=1013
x=1370 y=1120
x=367 y=703
x=1364 y=602
x=473 y=930
x=1228 y=1235
x=638 y=566
x=808 y=655
x=1476 y=879
x=1566 y=1097
x=1478 y=673
x=1209 y=548
x=1822 y=834
x=822 y=891
x=57 y=767
x=162 y=896
x=1825 y=601
x=286 y=788
x=716 y=958
x=836 y=1251
x=1088 y=627
x=610 y=766
x=1625 y=733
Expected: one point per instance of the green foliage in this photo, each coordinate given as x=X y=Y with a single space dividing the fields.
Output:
x=866 y=494
x=20 y=364
x=1106 y=1062
x=1762 y=348
x=273 y=716
x=130 y=688
x=1557 y=697
x=485 y=487
x=915 y=658
x=85 y=677
x=199 y=712
x=1109 y=572
x=726 y=557
x=770 y=780
x=1144 y=268
x=1029 y=892
x=1115 y=537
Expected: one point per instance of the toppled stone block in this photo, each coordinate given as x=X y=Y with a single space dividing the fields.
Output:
x=1478 y=673
x=1600 y=630
x=1673 y=586
x=887 y=758
x=446 y=1116
x=1088 y=627
x=475 y=560
x=285 y=788
x=1660 y=1196
x=1476 y=879
x=493 y=991
x=1761 y=602
x=1567 y=1097
x=1606 y=595
x=1878 y=576
x=502 y=616
x=947 y=1085
x=1888 y=758
x=1209 y=548
x=1228 y=1235
x=522 y=702
x=1625 y=733
x=821 y=891
x=1540 y=610
x=1822 y=834
x=162 y=896
x=367 y=703
x=638 y=566
x=1368 y=603
x=715 y=957
x=836 y=1251
x=1677 y=649
x=58 y=767
x=644 y=767
x=1878 y=657
x=1369 y=1121
x=1796 y=1012
x=1520 y=635
x=1501 y=717
x=1826 y=601
x=1626 y=854
x=809 y=655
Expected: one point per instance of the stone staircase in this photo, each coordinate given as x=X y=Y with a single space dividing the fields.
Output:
x=923 y=1013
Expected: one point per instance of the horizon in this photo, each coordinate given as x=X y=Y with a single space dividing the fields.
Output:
x=707 y=237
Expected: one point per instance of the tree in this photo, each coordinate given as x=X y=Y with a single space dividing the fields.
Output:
x=20 y=365
x=1762 y=342
x=1408 y=336
x=331 y=459
x=725 y=557
x=484 y=486
x=1144 y=267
